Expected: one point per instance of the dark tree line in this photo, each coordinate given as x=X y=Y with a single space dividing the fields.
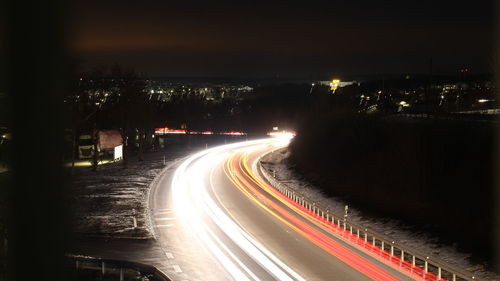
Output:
x=435 y=174
x=117 y=100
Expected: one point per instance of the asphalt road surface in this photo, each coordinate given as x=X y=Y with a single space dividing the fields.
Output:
x=217 y=219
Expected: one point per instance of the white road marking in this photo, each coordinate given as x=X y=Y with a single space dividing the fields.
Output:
x=177 y=268
x=169 y=255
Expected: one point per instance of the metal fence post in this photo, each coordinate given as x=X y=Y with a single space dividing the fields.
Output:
x=103 y=268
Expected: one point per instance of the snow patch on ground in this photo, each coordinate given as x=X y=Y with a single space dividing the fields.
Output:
x=404 y=234
x=104 y=202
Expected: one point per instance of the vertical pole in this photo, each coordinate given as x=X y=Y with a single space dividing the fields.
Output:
x=121 y=274
x=382 y=246
x=366 y=236
x=103 y=268
x=454 y=277
x=413 y=260
x=426 y=266
x=439 y=273
x=402 y=255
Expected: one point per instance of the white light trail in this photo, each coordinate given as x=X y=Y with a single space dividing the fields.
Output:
x=197 y=209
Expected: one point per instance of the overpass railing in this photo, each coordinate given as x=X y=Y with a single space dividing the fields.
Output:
x=122 y=270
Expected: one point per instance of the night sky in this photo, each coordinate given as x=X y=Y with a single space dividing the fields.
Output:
x=278 y=39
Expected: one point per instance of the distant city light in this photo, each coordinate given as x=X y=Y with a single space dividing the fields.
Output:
x=233 y=133
x=483 y=100
x=167 y=130
x=283 y=133
x=404 y=104
x=334 y=85
x=201 y=132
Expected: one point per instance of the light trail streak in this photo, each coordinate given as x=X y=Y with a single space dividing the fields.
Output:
x=205 y=217
x=321 y=240
x=246 y=179
x=197 y=209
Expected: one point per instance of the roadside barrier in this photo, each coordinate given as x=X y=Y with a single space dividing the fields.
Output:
x=409 y=260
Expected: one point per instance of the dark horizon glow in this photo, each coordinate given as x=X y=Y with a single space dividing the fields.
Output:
x=270 y=39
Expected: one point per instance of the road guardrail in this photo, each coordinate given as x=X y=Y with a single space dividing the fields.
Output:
x=412 y=261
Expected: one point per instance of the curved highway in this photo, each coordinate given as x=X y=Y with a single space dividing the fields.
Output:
x=217 y=219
